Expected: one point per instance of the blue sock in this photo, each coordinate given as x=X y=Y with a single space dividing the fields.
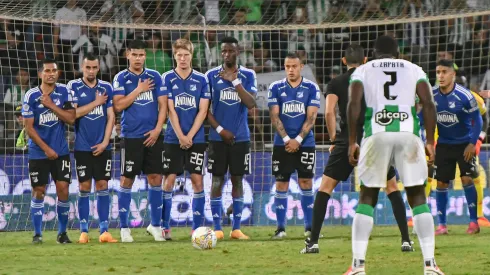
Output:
x=471 y=198
x=124 y=202
x=155 y=197
x=442 y=196
x=103 y=210
x=237 y=212
x=307 y=206
x=281 y=203
x=83 y=210
x=167 y=207
x=63 y=209
x=198 y=202
x=37 y=213
x=216 y=209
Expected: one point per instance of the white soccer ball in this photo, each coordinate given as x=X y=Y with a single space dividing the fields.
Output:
x=203 y=238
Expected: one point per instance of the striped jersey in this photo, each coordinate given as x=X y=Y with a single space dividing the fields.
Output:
x=389 y=91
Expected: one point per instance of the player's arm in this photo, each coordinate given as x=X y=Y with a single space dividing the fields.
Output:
x=122 y=101
x=174 y=119
x=274 y=111
x=227 y=136
x=85 y=109
x=356 y=92
x=67 y=113
x=330 y=115
x=311 y=113
x=201 y=116
x=426 y=98
x=162 y=97
x=246 y=94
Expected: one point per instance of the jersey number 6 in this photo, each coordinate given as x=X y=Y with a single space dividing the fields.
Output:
x=388 y=84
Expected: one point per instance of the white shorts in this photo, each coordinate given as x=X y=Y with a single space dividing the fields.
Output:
x=404 y=150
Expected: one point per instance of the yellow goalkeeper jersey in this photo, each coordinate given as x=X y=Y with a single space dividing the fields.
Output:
x=481 y=107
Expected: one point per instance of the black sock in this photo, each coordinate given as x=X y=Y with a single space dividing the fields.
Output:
x=400 y=214
x=319 y=211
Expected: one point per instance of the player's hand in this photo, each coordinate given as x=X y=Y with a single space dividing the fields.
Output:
x=229 y=76
x=469 y=152
x=484 y=93
x=100 y=98
x=185 y=142
x=330 y=149
x=227 y=137
x=478 y=146
x=51 y=154
x=46 y=101
x=152 y=137
x=98 y=149
x=353 y=154
x=292 y=146
x=430 y=152
x=145 y=85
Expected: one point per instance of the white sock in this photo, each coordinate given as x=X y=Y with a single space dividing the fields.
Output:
x=424 y=226
x=361 y=230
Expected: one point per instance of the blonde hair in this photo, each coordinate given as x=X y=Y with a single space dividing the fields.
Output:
x=184 y=44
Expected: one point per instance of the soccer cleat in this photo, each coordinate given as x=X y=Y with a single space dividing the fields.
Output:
x=408 y=247
x=219 y=234
x=37 y=239
x=441 y=230
x=431 y=268
x=126 y=235
x=356 y=271
x=237 y=234
x=310 y=248
x=166 y=233
x=83 y=238
x=156 y=232
x=63 y=238
x=410 y=222
x=473 y=228
x=279 y=234
x=106 y=237
x=483 y=222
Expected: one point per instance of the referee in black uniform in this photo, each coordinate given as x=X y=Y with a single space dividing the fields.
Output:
x=338 y=167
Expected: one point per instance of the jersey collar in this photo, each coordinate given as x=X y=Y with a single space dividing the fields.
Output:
x=454 y=88
x=142 y=73
x=86 y=85
x=189 y=76
x=289 y=84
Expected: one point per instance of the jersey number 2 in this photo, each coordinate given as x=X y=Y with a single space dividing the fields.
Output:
x=388 y=84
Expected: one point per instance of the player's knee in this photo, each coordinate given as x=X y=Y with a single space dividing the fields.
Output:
x=328 y=184
x=62 y=190
x=441 y=184
x=154 y=179
x=101 y=185
x=283 y=178
x=217 y=186
x=466 y=180
x=38 y=192
x=85 y=186
x=126 y=182
x=391 y=186
x=416 y=195
x=197 y=184
x=169 y=183
x=282 y=186
x=368 y=196
x=305 y=183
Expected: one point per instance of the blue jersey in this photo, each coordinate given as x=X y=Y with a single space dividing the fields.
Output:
x=458 y=117
x=186 y=95
x=90 y=129
x=50 y=128
x=226 y=105
x=293 y=104
x=141 y=116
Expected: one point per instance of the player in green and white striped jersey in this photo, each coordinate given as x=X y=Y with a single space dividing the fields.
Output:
x=391 y=136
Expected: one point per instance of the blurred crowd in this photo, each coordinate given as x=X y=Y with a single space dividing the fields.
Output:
x=23 y=43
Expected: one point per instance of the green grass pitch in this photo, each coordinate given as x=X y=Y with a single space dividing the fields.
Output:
x=456 y=253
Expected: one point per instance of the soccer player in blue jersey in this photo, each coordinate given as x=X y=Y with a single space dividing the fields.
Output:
x=139 y=94
x=233 y=90
x=93 y=129
x=184 y=144
x=46 y=109
x=459 y=124
x=293 y=107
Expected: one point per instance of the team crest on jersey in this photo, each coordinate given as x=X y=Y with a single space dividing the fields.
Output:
x=452 y=104
x=193 y=87
x=293 y=108
x=96 y=113
x=447 y=119
x=229 y=96
x=185 y=101
x=144 y=98
x=48 y=119
x=299 y=95
x=386 y=117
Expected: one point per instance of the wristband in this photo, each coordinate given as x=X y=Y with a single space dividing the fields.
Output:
x=482 y=136
x=299 y=139
x=286 y=139
x=219 y=129
x=236 y=82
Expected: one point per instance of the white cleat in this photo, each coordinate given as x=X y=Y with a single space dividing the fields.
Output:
x=356 y=271
x=156 y=232
x=431 y=270
x=126 y=235
x=279 y=234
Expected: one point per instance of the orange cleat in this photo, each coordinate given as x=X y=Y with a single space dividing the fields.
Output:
x=83 y=238
x=219 y=234
x=410 y=222
x=237 y=234
x=106 y=237
x=473 y=228
x=483 y=222
x=357 y=271
x=441 y=230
